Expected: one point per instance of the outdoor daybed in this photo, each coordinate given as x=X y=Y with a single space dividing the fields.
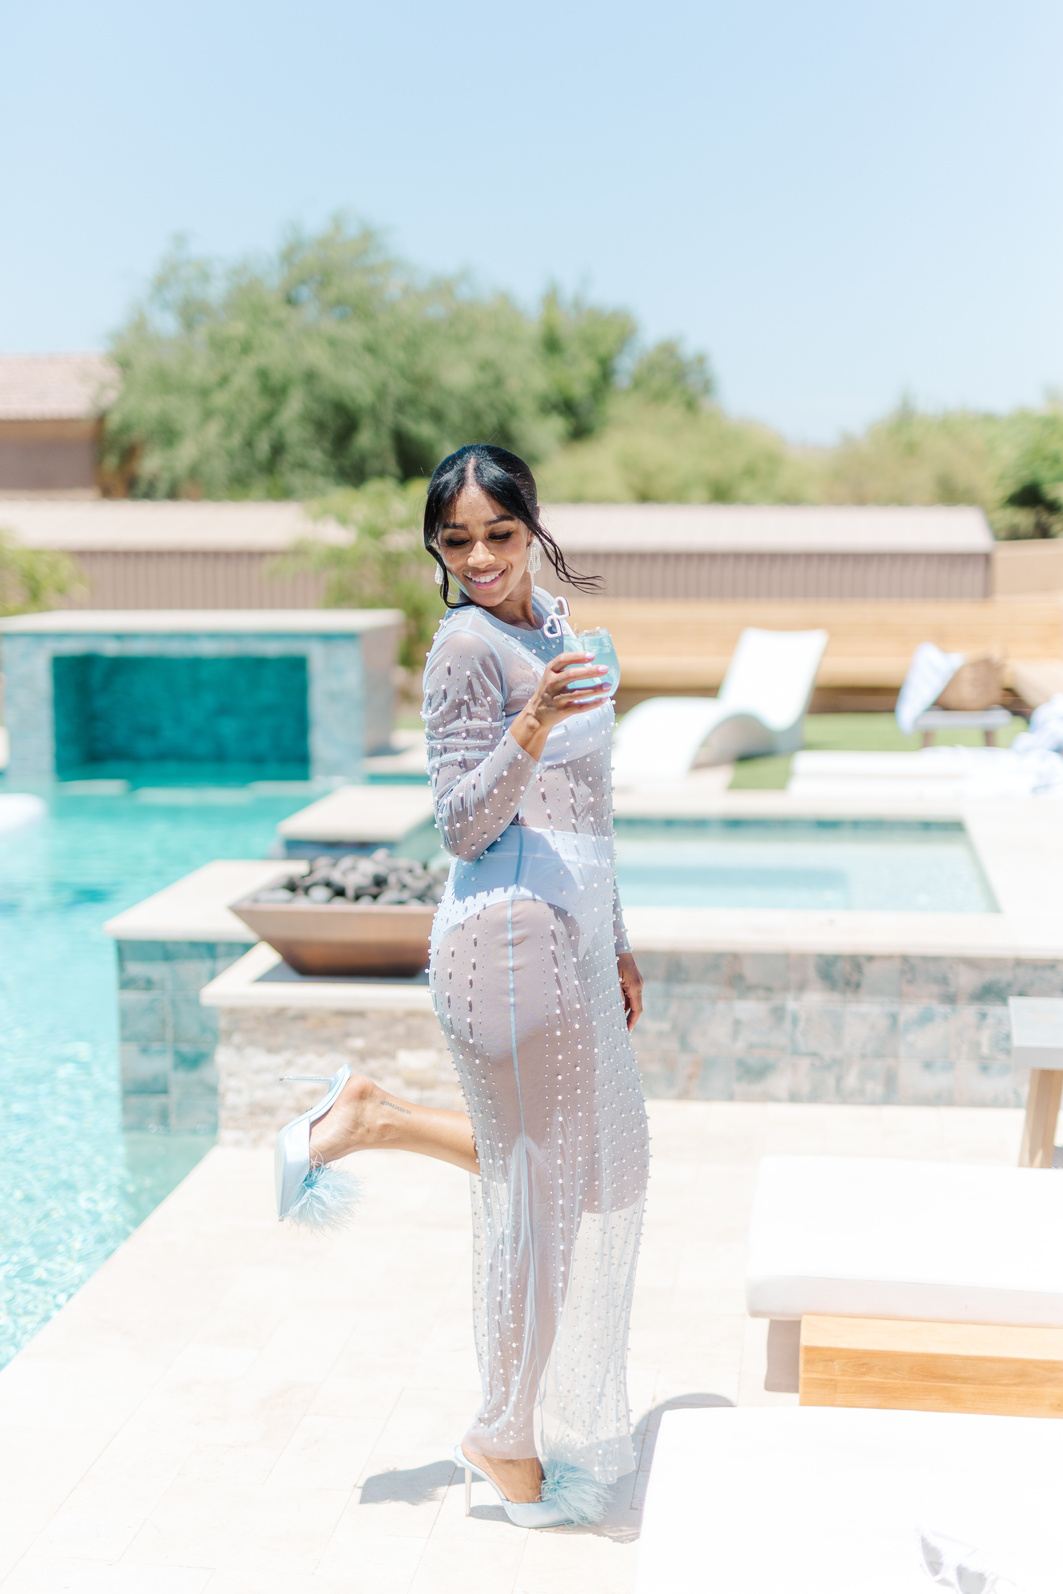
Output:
x=758 y=1500
x=921 y=1285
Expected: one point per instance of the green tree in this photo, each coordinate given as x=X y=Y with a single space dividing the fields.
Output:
x=382 y=563
x=32 y=579
x=1032 y=474
x=334 y=365
x=664 y=374
x=582 y=348
x=330 y=365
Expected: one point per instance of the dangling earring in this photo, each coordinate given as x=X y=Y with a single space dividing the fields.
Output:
x=535 y=557
x=439 y=575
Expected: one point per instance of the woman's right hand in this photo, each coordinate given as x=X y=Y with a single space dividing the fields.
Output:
x=552 y=702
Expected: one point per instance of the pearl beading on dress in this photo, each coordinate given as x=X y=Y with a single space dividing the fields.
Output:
x=525 y=985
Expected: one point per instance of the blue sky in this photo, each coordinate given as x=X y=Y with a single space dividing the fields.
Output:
x=840 y=201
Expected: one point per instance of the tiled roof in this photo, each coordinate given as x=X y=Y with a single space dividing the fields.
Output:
x=769 y=528
x=54 y=387
x=580 y=528
x=129 y=525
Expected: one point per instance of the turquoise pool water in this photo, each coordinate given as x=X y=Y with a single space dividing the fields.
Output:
x=870 y=865
x=72 y=1186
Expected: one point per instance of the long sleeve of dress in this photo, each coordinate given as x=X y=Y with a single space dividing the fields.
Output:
x=479 y=773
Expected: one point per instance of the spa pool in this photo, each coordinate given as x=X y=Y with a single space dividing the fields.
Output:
x=870 y=865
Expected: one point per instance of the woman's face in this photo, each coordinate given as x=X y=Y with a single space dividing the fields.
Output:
x=484 y=549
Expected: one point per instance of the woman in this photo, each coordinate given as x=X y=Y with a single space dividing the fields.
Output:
x=536 y=989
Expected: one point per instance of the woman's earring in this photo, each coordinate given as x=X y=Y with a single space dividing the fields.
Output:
x=535 y=557
x=439 y=575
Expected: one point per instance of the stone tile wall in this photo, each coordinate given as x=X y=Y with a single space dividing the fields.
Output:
x=834 y=1027
x=402 y=1050
x=718 y=1026
x=167 y=1037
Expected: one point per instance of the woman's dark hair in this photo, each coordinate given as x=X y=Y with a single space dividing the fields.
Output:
x=509 y=481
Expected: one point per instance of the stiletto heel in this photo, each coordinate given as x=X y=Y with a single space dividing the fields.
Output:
x=548 y=1513
x=316 y=1195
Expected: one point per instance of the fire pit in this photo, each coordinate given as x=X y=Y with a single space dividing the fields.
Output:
x=353 y=915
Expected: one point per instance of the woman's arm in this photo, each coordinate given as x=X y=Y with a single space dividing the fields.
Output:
x=626 y=967
x=479 y=773
x=479 y=770
x=630 y=988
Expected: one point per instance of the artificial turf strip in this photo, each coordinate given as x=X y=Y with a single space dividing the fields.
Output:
x=853 y=733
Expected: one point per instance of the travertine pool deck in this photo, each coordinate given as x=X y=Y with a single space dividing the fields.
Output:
x=232 y=1407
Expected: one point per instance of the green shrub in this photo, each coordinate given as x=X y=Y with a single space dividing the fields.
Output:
x=676 y=453
x=382 y=564
x=911 y=458
x=32 y=579
x=1009 y=465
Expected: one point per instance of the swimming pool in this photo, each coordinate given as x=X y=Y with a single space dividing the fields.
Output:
x=870 y=865
x=72 y=1186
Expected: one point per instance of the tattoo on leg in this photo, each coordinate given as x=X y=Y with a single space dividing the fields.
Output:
x=386 y=1101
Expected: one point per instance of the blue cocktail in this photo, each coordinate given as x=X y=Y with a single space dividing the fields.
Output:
x=598 y=642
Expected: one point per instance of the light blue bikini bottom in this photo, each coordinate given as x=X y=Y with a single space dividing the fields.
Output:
x=572 y=871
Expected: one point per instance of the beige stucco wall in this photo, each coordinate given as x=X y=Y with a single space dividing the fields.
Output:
x=38 y=456
x=1028 y=567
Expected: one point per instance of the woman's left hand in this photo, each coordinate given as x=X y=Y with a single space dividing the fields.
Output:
x=630 y=987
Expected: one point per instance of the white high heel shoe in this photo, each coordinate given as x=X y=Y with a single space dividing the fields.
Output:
x=316 y=1195
x=523 y=1514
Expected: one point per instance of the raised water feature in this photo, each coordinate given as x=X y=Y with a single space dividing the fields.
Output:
x=130 y=711
x=259 y=691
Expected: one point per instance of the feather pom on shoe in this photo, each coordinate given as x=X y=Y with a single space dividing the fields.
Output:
x=327 y=1200
x=575 y=1491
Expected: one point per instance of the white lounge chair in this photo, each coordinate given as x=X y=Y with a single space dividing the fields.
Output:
x=760 y=709
x=884 y=1238
x=758 y=1500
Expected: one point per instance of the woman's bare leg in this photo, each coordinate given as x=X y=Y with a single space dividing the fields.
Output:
x=520 y=1481
x=366 y=1118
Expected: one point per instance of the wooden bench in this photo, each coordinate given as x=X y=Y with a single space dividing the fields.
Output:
x=670 y=646
x=915 y=1366
x=1037 y=1044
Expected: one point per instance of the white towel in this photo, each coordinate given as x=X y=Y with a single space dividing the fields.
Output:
x=1046 y=729
x=929 y=673
x=999 y=771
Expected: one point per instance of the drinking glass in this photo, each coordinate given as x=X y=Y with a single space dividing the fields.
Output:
x=597 y=641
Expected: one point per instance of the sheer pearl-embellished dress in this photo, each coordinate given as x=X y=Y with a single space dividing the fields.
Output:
x=524 y=981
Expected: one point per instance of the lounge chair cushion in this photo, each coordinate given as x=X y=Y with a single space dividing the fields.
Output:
x=873 y=1237
x=761 y=1500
